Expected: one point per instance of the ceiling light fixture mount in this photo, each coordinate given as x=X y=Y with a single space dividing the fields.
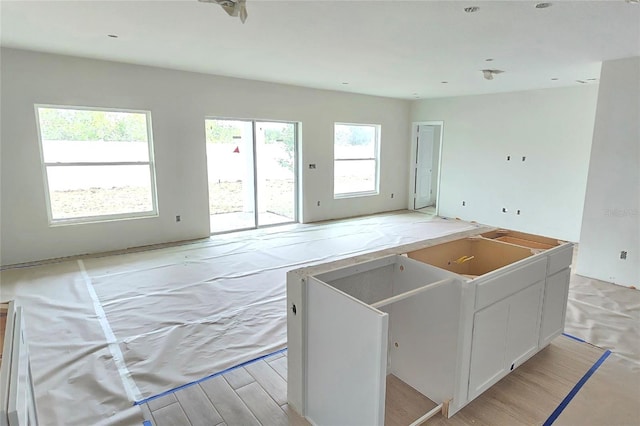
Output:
x=488 y=74
x=471 y=9
x=543 y=5
x=232 y=7
x=112 y=35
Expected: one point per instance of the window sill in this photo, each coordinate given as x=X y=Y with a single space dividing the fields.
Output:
x=101 y=219
x=355 y=195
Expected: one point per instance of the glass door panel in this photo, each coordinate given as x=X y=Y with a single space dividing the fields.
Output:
x=230 y=166
x=276 y=172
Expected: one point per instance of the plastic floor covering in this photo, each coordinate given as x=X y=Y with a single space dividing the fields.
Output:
x=107 y=331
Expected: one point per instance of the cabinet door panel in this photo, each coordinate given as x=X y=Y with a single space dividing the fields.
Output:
x=524 y=324
x=554 y=306
x=488 y=347
x=346 y=358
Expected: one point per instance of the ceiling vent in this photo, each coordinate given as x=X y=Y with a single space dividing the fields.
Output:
x=488 y=74
x=232 y=7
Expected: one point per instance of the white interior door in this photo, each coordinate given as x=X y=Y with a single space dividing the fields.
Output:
x=424 y=167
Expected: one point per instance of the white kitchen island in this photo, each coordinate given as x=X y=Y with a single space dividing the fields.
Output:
x=449 y=317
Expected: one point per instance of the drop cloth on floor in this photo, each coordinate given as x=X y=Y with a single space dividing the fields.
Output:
x=181 y=313
x=175 y=315
x=76 y=380
x=605 y=315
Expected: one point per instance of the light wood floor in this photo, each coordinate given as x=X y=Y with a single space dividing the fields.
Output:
x=256 y=395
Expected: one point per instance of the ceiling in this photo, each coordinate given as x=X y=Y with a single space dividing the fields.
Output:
x=401 y=49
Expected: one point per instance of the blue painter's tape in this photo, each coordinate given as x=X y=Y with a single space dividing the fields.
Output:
x=151 y=398
x=552 y=418
x=146 y=423
x=574 y=337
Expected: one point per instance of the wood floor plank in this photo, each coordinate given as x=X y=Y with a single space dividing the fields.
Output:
x=263 y=407
x=610 y=396
x=270 y=381
x=403 y=404
x=227 y=402
x=526 y=396
x=529 y=394
x=197 y=406
x=171 y=415
x=146 y=413
x=280 y=365
x=158 y=403
x=275 y=356
x=238 y=378
x=295 y=419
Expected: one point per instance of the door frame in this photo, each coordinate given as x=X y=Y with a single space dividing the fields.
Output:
x=412 y=161
x=296 y=170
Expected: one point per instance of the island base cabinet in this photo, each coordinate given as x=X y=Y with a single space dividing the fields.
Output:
x=555 y=306
x=505 y=335
x=489 y=340
x=349 y=339
x=392 y=316
x=449 y=320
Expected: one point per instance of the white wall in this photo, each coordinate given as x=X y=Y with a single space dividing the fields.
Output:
x=610 y=222
x=179 y=102
x=552 y=128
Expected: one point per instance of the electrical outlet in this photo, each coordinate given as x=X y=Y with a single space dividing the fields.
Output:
x=623 y=255
x=392 y=195
x=464 y=203
x=508 y=158
x=518 y=212
x=524 y=158
x=178 y=219
x=318 y=203
x=312 y=166
x=504 y=210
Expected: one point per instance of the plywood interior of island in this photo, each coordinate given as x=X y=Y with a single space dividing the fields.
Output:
x=522 y=239
x=472 y=256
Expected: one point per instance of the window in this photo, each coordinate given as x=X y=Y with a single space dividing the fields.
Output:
x=97 y=163
x=355 y=168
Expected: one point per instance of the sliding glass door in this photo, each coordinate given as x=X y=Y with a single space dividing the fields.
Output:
x=276 y=172
x=252 y=173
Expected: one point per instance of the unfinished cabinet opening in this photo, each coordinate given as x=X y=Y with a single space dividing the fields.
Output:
x=385 y=340
x=384 y=330
x=521 y=239
x=471 y=257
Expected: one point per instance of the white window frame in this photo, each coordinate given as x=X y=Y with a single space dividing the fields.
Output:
x=106 y=217
x=376 y=191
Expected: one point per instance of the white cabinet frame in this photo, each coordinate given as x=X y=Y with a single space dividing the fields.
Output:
x=328 y=303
